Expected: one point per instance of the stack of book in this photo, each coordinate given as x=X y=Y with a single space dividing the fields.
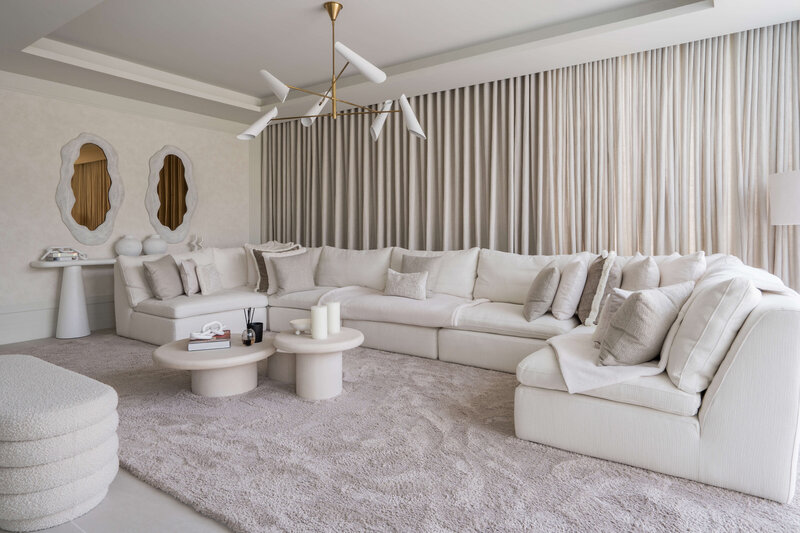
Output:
x=214 y=343
x=63 y=256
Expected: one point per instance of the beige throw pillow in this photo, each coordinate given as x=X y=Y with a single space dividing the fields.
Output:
x=603 y=276
x=188 y=272
x=209 y=279
x=418 y=263
x=293 y=273
x=713 y=317
x=570 y=289
x=612 y=304
x=163 y=277
x=407 y=285
x=640 y=273
x=638 y=328
x=542 y=292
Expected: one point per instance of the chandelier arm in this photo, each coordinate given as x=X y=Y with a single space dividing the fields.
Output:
x=328 y=97
x=371 y=112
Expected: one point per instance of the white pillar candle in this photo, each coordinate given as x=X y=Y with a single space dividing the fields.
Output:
x=319 y=322
x=334 y=319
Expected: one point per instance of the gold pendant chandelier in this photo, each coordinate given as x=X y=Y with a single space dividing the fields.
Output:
x=370 y=71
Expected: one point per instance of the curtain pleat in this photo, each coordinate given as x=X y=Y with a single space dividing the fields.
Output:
x=90 y=184
x=660 y=151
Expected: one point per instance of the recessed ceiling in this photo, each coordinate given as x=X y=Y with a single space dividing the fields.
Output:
x=204 y=55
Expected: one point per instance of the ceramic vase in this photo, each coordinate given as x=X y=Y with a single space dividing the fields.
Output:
x=128 y=245
x=154 y=244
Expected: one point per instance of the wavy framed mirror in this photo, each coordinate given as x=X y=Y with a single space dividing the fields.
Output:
x=90 y=191
x=171 y=197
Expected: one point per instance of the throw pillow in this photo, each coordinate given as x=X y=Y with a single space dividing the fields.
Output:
x=541 y=294
x=163 y=277
x=418 y=263
x=677 y=268
x=255 y=268
x=188 y=272
x=209 y=279
x=341 y=268
x=604 y=274
x=293 y=273
x=407 y=285
x=269 y=280
x=570 y=288
x=612 y=304
x=640 y=273
x=712 y=319
x=638 y=328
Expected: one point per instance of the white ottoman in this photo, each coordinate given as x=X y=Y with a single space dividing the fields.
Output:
x=58 y=443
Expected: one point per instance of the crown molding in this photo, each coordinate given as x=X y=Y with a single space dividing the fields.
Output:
x=121 y=68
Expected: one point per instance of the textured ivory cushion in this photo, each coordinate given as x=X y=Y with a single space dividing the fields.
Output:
x=293 y=272
x=612 y=304
x=640 y=273
x=407 y=285
x=188 y=272
x=163 y=277
x=232 y=266
x=570 y=289
x=604 y=275
x=677 y=268
x=269 y=282
x=418 y=263
x=712 y=319
x=540 y=295
x=188 y=306
x=39 y=400
x=639 y=326
x=342 y=268
x=257 y=269
x=457 y=273
x=209 y=278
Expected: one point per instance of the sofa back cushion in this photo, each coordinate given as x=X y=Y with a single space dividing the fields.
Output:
x=231 y=264
x=340 y=268
x=133 y=277
x=456 y=273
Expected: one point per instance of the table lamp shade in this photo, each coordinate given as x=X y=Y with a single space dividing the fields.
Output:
x=784 y=198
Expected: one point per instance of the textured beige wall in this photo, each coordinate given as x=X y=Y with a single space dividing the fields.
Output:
x=32 y=131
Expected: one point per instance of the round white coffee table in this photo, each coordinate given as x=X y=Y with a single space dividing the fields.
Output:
x=215 y=373
x=318 y=361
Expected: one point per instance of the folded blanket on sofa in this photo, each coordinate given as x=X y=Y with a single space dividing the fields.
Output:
x=362 y=303
x=580 y=363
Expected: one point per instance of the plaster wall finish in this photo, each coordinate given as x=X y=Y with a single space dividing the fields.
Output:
x=32 y=131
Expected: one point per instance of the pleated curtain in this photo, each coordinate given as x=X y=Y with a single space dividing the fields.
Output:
x=90 y=185
x=660 y=151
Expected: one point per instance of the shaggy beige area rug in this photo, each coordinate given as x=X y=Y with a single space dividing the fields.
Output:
x=411 y=445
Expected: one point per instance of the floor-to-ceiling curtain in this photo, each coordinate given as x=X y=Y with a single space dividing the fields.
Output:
x=660 y=151
x=90 y=185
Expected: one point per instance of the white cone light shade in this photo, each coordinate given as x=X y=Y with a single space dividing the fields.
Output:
x=412 y=124
x=784 y=198
x=316 y=109
x=276 y=86
x=377 y=124
x=373 y=73
x=258 y=126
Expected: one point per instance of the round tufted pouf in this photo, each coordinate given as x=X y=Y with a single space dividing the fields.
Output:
x=58 y=443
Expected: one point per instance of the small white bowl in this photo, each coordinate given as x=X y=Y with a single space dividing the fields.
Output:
x=300 y=325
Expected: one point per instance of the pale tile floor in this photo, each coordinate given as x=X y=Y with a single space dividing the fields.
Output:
x=133 y=506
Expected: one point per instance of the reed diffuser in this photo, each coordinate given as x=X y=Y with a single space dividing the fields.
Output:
x=248 y=335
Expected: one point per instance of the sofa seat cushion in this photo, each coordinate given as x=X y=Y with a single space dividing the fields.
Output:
x=438 y=311
x=506 y=319
x=540 y=369
x=299 y=299
x=198 y=304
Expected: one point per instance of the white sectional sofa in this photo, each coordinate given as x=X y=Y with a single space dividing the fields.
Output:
x=741 y=433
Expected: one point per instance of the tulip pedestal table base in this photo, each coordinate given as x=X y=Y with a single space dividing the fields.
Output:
x=318 y=362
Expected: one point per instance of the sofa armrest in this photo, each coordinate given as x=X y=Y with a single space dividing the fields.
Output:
x=750 y=414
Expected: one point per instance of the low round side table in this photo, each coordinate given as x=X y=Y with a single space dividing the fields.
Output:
x=318 y=361
x=216 y=373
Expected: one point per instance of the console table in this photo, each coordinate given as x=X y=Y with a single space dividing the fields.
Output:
x=73 y=321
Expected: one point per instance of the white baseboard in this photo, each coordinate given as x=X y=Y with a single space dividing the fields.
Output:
x=25 y=324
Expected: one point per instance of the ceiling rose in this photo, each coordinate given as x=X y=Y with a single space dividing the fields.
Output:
x=370 y=71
